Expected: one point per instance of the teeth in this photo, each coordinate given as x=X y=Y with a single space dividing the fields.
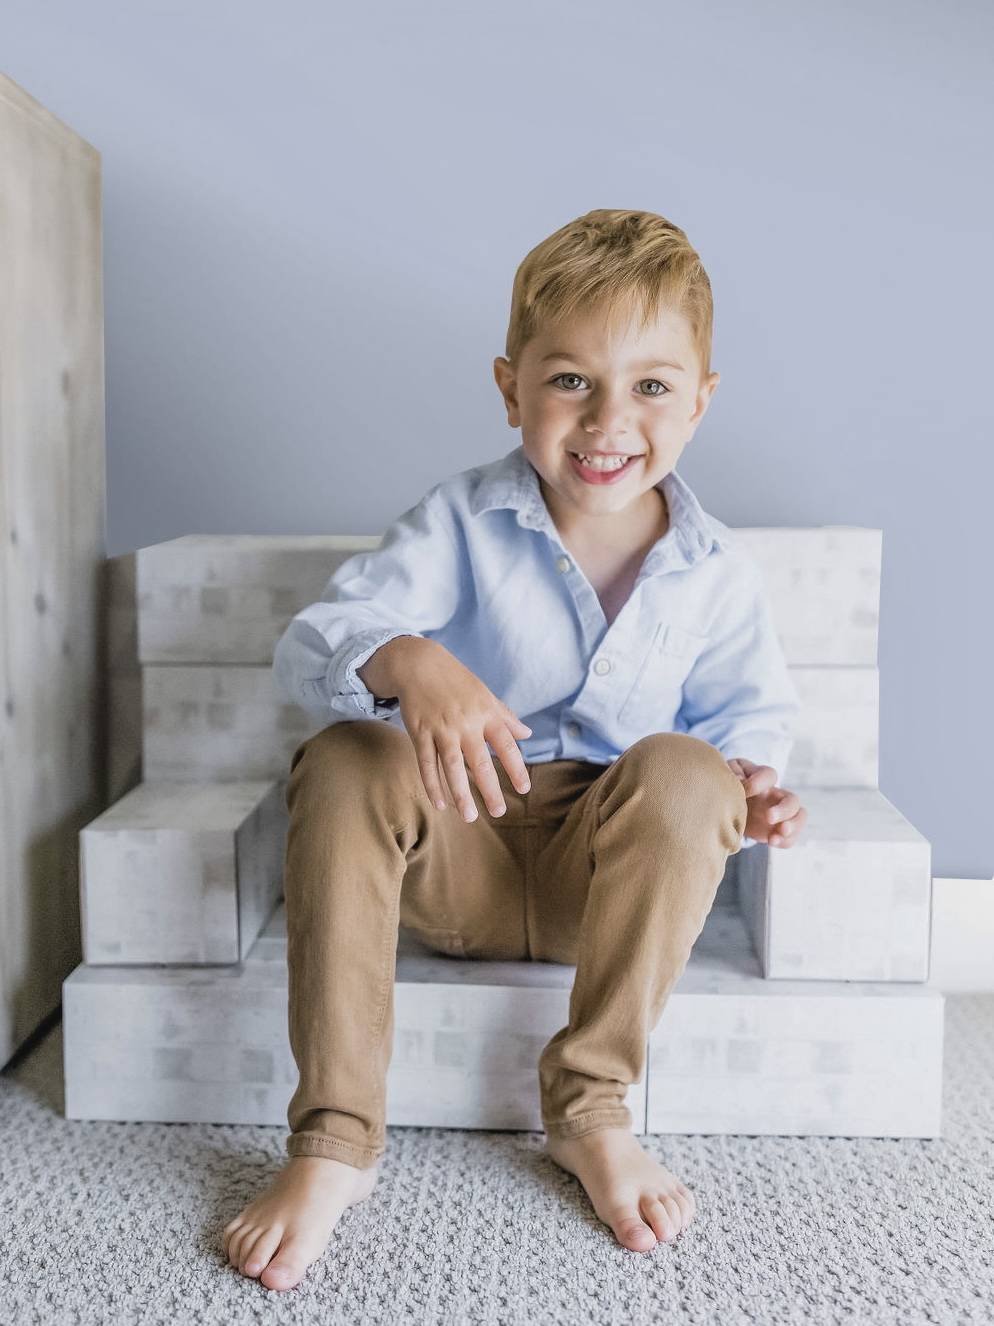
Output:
x=602 y=462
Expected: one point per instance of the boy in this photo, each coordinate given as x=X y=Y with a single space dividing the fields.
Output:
x=593 y=595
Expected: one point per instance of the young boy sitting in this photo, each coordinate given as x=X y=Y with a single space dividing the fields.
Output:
x=576 y=583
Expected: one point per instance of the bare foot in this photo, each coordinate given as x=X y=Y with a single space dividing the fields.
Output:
x=640 y=1199
x=294 y=1218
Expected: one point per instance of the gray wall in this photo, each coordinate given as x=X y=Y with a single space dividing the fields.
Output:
x=313 y=213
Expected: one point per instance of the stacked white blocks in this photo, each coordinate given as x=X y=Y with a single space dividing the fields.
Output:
x=802 y=1009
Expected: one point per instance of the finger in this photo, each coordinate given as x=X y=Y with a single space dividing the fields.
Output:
x=424 y=747
x=446 y=790
x=481 y=766
x=761 y=779
x=787 y=804
x=451 y=756
x=508 y=752
x=785 y=834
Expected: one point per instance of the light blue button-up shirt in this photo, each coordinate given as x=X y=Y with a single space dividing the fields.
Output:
x=479 y=566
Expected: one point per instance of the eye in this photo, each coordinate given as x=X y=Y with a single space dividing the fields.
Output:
x=663 y=389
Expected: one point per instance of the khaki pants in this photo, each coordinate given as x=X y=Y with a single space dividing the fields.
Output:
x=612 y=868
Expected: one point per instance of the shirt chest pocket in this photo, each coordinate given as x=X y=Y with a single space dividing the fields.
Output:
x=655 y=693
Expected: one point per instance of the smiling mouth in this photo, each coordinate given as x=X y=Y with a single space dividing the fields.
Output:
x=597 y=474
x=607 y=455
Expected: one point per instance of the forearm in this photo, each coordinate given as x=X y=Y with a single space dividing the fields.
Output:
x=383 y=672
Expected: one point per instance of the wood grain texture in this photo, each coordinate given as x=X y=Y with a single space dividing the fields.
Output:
x=52 y=543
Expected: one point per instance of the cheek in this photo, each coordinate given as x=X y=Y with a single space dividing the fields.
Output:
x=552 y=413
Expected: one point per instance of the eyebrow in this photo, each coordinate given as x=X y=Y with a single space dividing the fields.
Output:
x=649 y=363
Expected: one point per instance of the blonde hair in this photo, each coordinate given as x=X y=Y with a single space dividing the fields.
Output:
x=614 y=260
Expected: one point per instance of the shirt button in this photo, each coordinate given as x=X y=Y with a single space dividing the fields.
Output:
x=602 y=665
x=573 y=729
x=563 y=563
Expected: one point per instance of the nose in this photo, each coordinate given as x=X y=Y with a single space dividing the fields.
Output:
x=606 y=415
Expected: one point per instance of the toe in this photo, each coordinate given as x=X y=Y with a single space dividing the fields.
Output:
x=687 y=1200
x=656 y=1215
x=288 y=1266
x=262 y=1251
x=235 y=1243
x=246 y=1247
x=229 y=1232
x=686 y=1205
x=632 y=1231
x=673 y=1213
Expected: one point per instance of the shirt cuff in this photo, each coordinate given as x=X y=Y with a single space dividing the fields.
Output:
x=350 y=696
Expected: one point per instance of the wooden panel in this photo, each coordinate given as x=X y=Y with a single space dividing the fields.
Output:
x=123 y=719
x=849 y=901
x=228 y=721
x=182 y=872
x=209 y=1044
x=228 y=598
x=52 y=513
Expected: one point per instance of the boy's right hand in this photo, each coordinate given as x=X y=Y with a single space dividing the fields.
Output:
x=450 y=715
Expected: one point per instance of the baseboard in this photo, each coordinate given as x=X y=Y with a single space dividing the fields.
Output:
x=962 y=953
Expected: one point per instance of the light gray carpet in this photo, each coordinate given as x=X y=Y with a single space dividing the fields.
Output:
x=111 y=1222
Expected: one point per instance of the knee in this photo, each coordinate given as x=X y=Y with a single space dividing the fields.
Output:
x=685 y=773
x=348 y=755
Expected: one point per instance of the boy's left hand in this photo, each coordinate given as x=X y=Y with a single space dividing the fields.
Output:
x=776 y=816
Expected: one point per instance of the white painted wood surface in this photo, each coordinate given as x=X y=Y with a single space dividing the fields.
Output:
x=229 y=721
x=963 y=935
x=849 y=901
x=182 y=872
x=222 y=598
x=732 y=1053
x=52 y=544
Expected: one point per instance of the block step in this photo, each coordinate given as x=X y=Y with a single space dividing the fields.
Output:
x=182 y=872
x=850 y=901
x=230 y=721
x=732 y=1052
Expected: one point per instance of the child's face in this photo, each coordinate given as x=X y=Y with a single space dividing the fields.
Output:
x=586 y=387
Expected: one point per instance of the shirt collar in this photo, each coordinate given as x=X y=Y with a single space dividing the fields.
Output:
x=512 y=481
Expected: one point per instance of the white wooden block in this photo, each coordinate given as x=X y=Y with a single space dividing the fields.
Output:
x=824 y=588
x=849 y=901
x=210 y=1044
x=836 y=733
x=182 y=872
x=735 y=1053
x=228 y=598
x=203 y=1044
x=218 y=721
x=962 y=955
x=228 y=721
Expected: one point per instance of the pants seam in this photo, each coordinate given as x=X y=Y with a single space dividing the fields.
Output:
x=332 y=1143
x=609 y=1114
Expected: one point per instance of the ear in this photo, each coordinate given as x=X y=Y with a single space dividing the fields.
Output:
x=505 y=378
x=704 y=393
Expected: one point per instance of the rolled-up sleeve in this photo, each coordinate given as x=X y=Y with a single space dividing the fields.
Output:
x=739 y=695
x=409 y=585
